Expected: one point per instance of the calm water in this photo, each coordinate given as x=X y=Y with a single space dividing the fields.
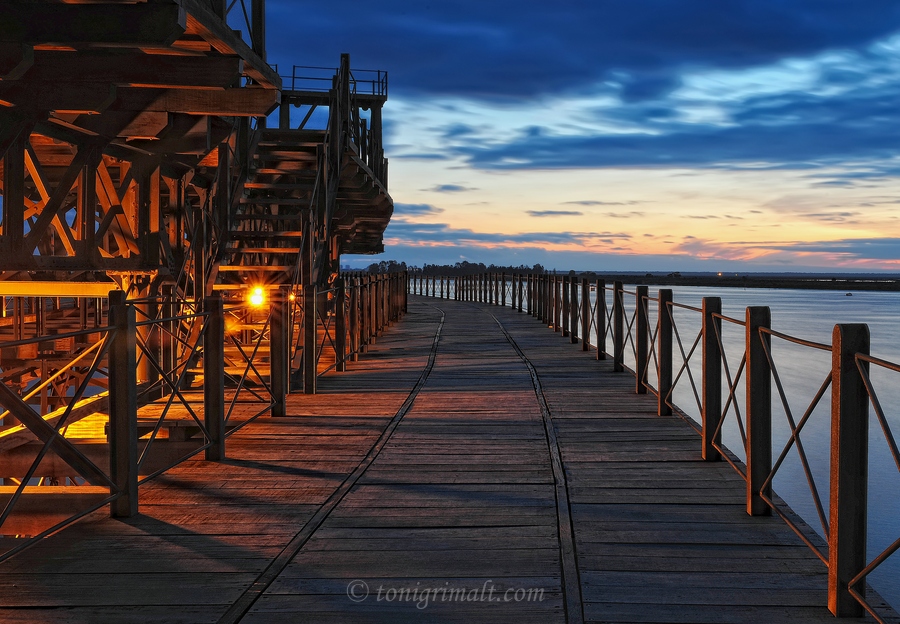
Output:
x=810 y=315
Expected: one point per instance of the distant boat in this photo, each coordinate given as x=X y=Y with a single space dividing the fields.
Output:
x=849 y=295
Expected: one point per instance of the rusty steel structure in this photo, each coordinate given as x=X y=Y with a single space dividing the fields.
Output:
x=139 y=179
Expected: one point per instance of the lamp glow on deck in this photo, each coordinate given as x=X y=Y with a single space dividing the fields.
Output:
x=257 y=297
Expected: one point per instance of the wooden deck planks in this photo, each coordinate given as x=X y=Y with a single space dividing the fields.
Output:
x=460 y=498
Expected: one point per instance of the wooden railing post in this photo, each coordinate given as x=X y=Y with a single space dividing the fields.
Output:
x=279 y=341
x=585 y=315
x=573 y=310
x=214 y=377
x=529 y=294
x=566 y=305
x=600 y=312
x=849 y=468
x=759 y=410
x=557 y=304
x=618 y=327
x=711 y=379
x=641 y=339
x=310 y=323
x=354 y=319
x=521 y=279
x=405 y=295
x=664 y=351
x=123 y=459
x=503 y=290
x=340 y=325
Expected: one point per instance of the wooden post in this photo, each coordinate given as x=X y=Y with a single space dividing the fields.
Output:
x=365 y=321
x=759 y=410
x=711 y=379
x=557 y=304
x=573 y=310
x=641 y=339
x=849 y=468
x=340 y=326
x=214 y=377
x=442 y=286
x=618 y=328
x=521 y=281
x=310 y=323
x=14 y=193
x=600 y=312
x=123 y=459
x=354 y=319
x=585 y=315
x=279 y=328
x=664 y=351
x=566 y=305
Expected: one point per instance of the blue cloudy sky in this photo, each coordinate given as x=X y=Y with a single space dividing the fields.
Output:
x=643 y=135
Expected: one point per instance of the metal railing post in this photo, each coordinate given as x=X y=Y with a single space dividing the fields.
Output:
x=618 y=328
x=849 y=468
x=123 y=457
x=759 y=410
x=641 y=339
x=664 y=351
x=711 y=379
x=214 y=377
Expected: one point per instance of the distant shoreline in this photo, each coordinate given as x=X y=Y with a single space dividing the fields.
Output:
x=819 y=282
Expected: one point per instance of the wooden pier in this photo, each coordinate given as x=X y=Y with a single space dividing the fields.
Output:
x=474 y=467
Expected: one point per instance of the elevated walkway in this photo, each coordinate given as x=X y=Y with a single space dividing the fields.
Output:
x=474 y=467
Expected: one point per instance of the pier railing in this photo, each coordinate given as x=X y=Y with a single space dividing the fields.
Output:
x=658 y=340
x=88 y=416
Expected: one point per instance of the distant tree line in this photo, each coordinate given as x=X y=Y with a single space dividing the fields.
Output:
x=471 y=268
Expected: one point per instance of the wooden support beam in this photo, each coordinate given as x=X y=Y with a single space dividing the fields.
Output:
x=114 y=25
x=243 y=102
x=48 y=434
x=136 y=69
x=15 y=59
x=14 y=195
x=218 y=33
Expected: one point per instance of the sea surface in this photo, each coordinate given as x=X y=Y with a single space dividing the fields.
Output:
x=810 y=315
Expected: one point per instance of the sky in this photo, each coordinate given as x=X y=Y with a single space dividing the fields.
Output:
x=649 y=135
